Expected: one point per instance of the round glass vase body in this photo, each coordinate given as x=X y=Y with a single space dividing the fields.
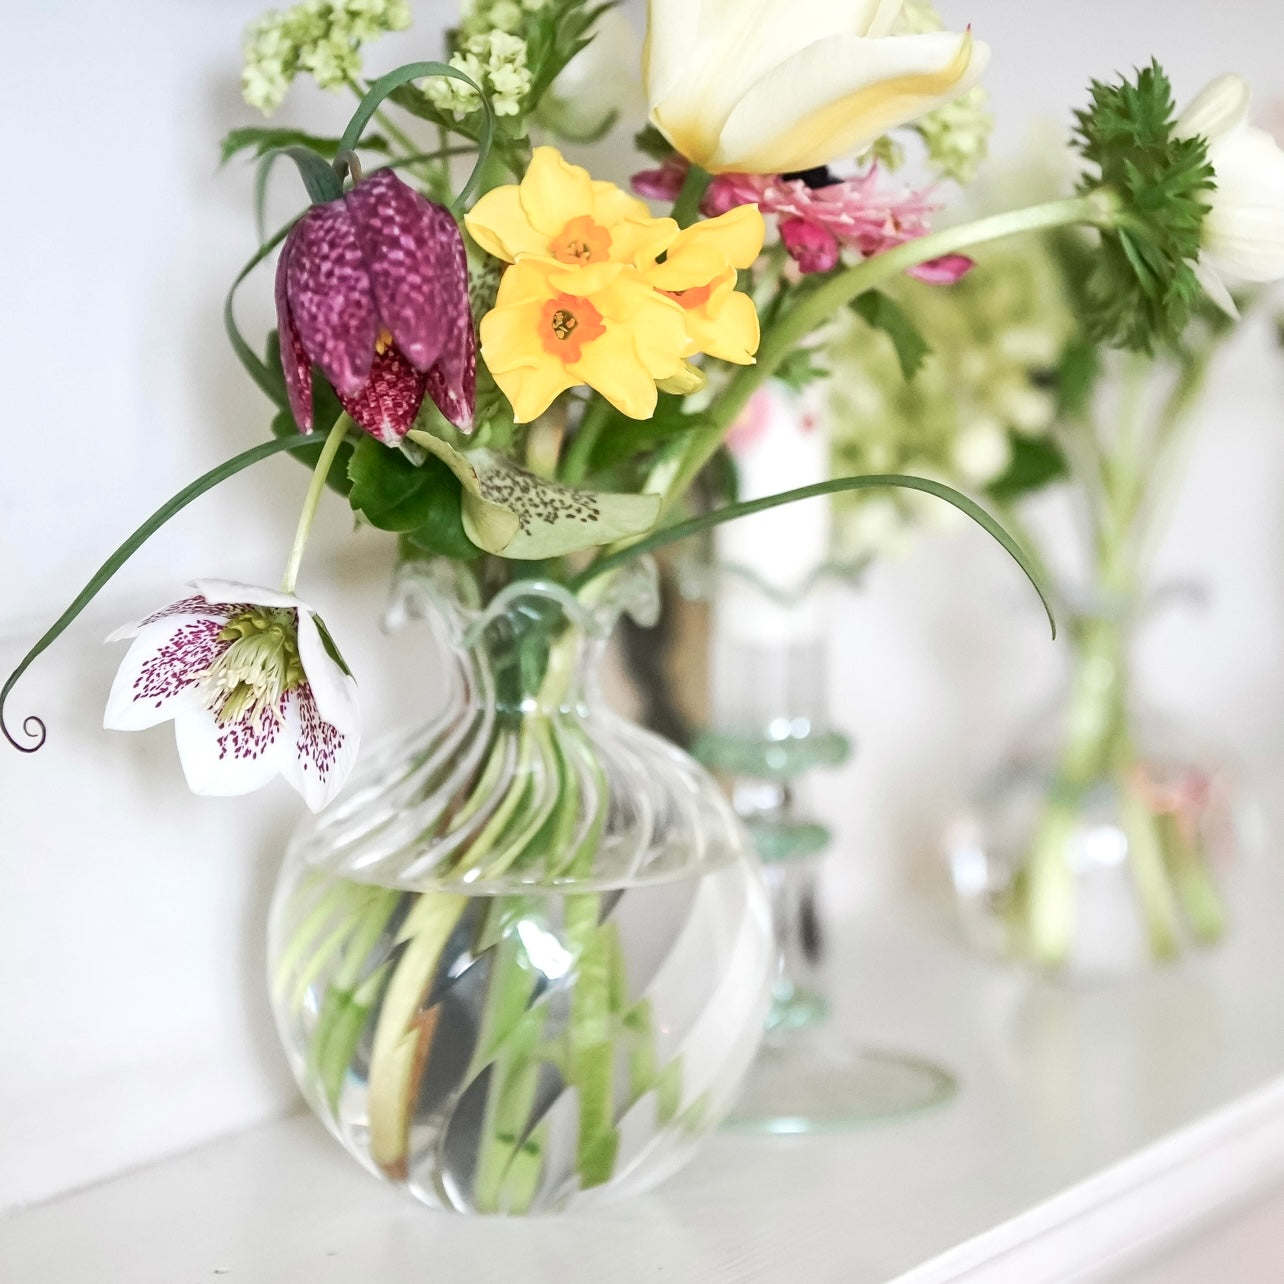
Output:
x=1105 y=840
x=522 y=965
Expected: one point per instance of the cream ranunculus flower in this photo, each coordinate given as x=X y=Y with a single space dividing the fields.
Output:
x=1243 y=232
x=773 y=86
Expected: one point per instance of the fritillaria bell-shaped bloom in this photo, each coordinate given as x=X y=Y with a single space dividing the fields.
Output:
x=373 y=288
x=253 y=684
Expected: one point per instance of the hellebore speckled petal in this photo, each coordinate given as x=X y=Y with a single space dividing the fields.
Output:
x=294 y=361
x=328 y=290
x=387 y=403
x=408 y=243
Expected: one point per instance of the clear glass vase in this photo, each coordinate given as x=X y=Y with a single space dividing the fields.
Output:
x=523 y=964
x=1105 y=840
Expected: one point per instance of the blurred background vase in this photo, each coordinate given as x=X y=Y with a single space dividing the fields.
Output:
x=1109 y=837
x=523 y=964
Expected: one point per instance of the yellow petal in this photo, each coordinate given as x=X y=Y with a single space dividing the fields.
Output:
x=498 y=223
x=554 y=191
x=510 y=337
x=532 y=389
x=837 y=96
x=731 y=333
x=612 y=366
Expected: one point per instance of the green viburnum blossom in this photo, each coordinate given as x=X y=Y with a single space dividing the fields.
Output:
x=1142 y=288
x=496 y=60
x=982 y=396
x=320 y=38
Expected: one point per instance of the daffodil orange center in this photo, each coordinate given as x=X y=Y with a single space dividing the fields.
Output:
x=567 y=324
x=696 y=297
x=582 y=240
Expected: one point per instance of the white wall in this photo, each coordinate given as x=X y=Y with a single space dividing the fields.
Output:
x=132 y=1015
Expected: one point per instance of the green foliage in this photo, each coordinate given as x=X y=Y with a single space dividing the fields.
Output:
x=283 y=427
x=1036 y=462
x=554 y=34
x=260 y=139
x=650 y=142
x=878 y=311
x=420 y=501
x=1076 y=377
x=1141 y=289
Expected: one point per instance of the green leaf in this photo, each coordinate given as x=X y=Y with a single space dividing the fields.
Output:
x=695 y=525
x=423 y=501
x=1077 y=376
x=402 y=76
x=509 y=511
x=1036 y=462
x=268 y=378
x=878 y=311
x=258 y=139
x=32 y=725
x=653 y=144
x=319 y=177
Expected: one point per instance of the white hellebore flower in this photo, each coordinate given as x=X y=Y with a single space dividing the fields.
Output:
x=1243 y=232
x=774 y=86
x=254 y=685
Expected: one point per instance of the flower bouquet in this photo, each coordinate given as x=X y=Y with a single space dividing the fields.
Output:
x=522 y=963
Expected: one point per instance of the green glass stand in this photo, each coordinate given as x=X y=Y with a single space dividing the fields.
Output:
x=769 y=702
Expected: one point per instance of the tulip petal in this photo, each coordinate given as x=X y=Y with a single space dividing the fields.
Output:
x=415 y=258
x=320 y=753
x=229 y=758
x=161 y=671
x=295 y=365
x=702 y=59
x=330 y=302
x=838 y=95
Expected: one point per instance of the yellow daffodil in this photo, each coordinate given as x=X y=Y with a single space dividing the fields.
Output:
x=554 y=328
x=559 y=212
x=699 y=273
x=768 y=86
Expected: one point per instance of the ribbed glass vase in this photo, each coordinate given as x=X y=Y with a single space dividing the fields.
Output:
x=523 y=964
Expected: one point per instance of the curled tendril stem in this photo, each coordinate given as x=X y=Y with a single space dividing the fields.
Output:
x=31 y=726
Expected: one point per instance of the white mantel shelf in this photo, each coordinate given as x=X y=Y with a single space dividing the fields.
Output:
x=1089 y=1122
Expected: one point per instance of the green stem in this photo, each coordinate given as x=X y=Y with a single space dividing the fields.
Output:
x=313 y=498
x=694 y=525
x=1098 y=209
x=694 y=185
x=578 y=454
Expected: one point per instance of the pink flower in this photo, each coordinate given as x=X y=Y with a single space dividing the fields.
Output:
x=373 y=288
x=820 y=216
x=812 y=247
x=253 y=684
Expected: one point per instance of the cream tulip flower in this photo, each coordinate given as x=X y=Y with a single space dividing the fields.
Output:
x=774 y=86
x=1243 y=231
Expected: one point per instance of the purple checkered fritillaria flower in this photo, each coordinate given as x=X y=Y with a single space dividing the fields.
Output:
x=373 y=288
x=253 y=684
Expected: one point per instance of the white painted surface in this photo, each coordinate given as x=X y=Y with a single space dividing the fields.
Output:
x=1057 y=1153
x=131 y=915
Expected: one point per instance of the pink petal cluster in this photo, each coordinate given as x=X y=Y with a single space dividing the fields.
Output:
x=817 y=223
